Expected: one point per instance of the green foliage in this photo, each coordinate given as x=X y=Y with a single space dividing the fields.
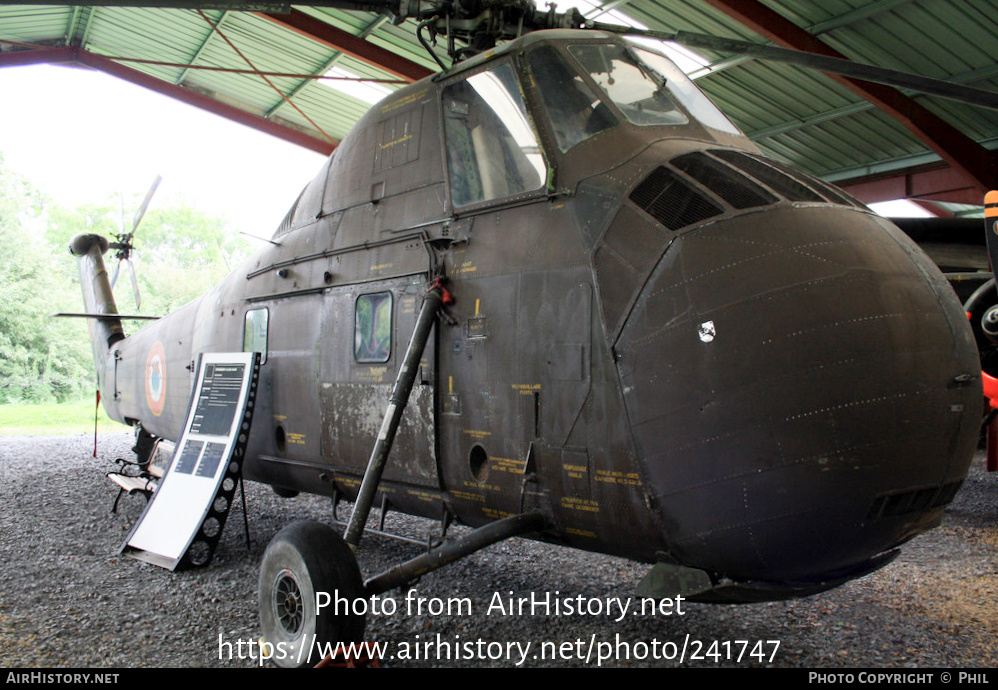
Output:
x=39 y=358
x=180 y=252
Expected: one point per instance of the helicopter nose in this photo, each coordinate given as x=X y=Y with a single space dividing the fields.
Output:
x=804 y=389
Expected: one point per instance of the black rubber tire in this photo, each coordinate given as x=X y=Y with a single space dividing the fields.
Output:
x=304 y=558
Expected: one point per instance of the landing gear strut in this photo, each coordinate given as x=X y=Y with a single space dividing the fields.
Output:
x=307 y=557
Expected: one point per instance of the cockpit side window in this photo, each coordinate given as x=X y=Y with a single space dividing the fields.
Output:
x=492 y=151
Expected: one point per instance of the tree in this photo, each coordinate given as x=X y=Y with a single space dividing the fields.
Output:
x=184 y=252
x=40 y=359
x=180 y=252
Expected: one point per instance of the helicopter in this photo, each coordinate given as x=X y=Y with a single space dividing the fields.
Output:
x=553 y=292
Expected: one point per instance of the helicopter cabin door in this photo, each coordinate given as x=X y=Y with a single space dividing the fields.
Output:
x=368 y=327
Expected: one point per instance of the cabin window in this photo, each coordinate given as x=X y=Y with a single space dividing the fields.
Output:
x=255 y=332
x=492 y=151
x=372 y=335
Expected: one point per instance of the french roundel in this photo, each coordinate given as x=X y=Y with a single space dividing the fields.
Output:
x=156 y=379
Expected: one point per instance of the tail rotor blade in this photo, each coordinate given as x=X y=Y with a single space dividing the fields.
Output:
x=135 y=284
x=145 y=203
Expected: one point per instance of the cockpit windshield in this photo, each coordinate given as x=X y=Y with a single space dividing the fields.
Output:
x=686 y=92
x=575 y=111
x=649 y=90
x=632 y=89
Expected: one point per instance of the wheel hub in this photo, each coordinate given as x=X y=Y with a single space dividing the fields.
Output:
x=288 y=604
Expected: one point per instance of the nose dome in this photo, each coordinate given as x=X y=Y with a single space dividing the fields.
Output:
x=803 y=388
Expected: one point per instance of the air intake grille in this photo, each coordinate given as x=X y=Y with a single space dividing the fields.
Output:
x=734 y=188
x=665 y=197
x=836 y=196
x=771 y=176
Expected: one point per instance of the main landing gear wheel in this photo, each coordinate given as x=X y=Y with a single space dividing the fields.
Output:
x=304 y=558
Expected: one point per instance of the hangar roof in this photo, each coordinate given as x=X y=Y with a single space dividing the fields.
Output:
x=283 y=71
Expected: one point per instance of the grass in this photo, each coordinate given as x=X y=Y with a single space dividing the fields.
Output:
x=30 y=419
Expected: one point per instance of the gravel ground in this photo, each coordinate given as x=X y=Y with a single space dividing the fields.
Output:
x=69 y=600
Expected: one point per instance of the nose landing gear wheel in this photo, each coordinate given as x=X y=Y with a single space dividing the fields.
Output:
x=303 y=559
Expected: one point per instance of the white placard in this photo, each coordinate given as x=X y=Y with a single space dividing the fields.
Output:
x=183 y=500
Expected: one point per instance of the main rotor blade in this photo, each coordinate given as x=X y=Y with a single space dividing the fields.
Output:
x=145 y=203
x=824 y=63
x=114 y=277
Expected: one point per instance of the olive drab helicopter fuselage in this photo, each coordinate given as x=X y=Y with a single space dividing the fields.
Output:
x=665 y=344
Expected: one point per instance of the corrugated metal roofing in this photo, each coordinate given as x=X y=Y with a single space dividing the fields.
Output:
x=822 y=126
x=792 y=113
